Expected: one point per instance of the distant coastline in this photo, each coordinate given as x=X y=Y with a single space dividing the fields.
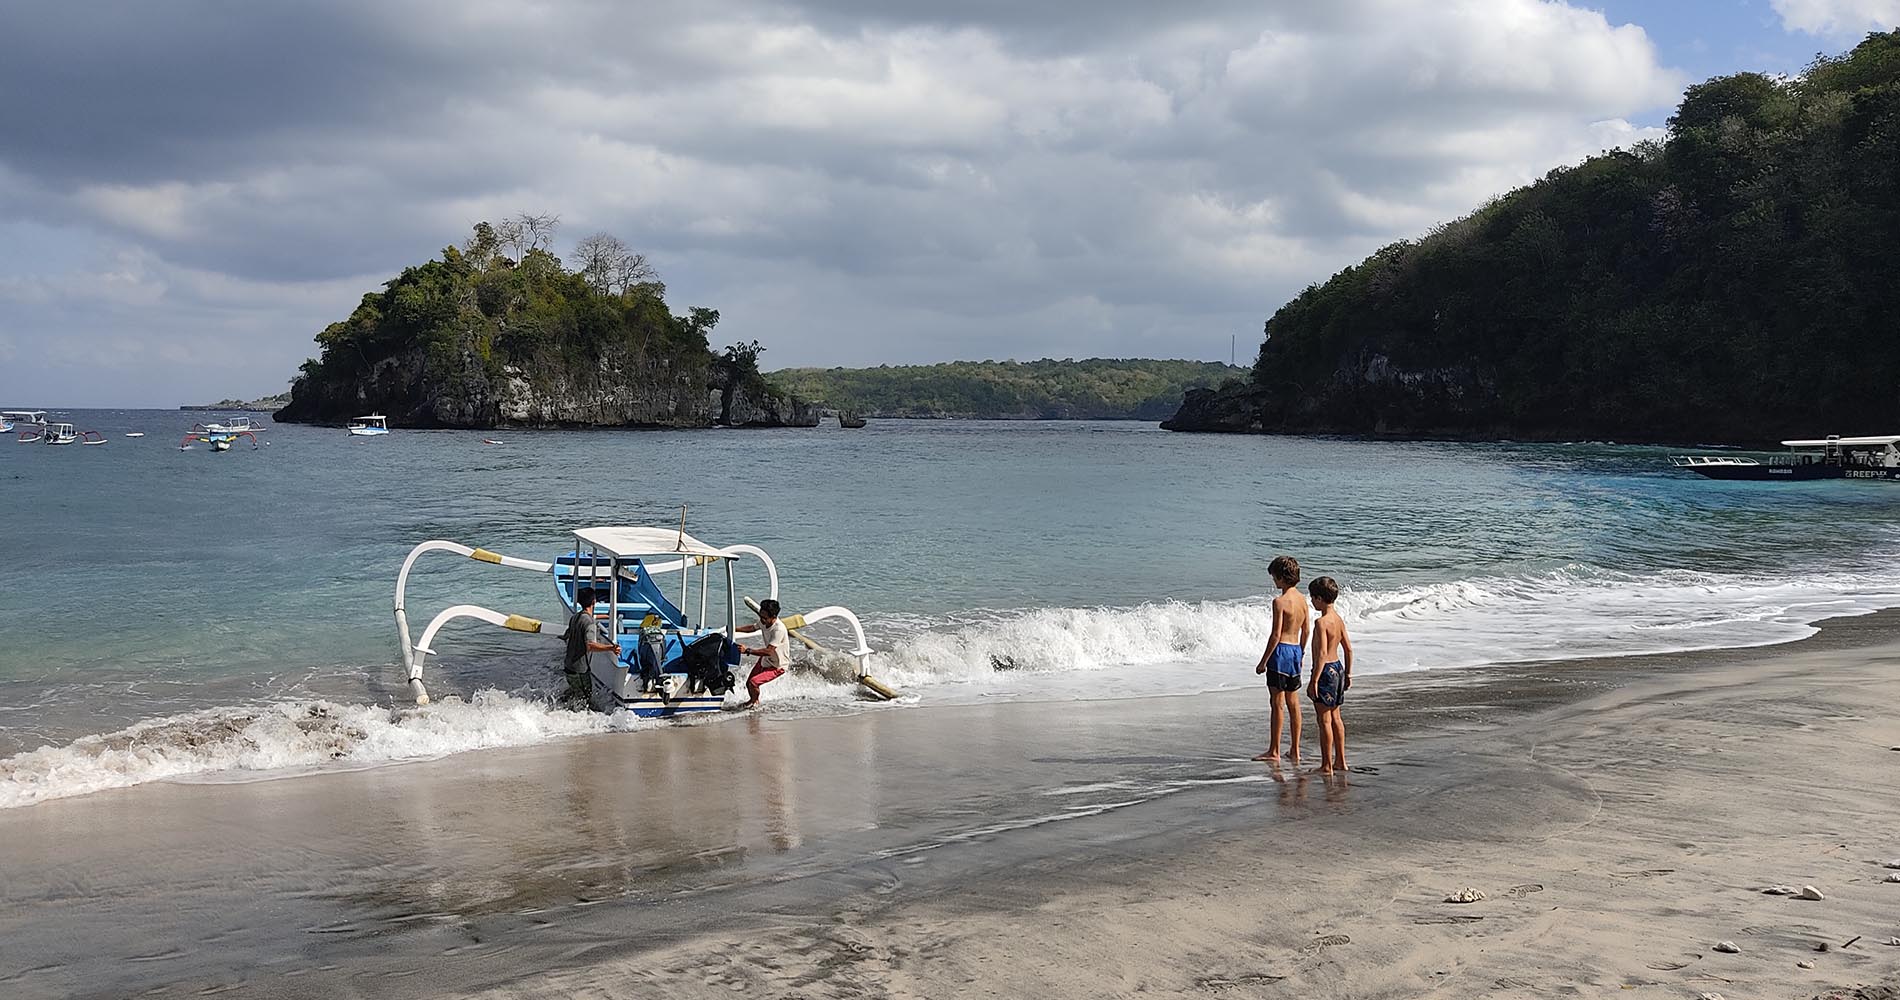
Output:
x=266 y=404
x=1048 y=389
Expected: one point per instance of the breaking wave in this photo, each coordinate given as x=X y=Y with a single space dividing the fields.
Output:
x=1066 y=653
x=289 y=736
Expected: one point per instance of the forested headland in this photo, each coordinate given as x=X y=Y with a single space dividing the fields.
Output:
x=1738 y=282
x=499 y=332
x=1093 y=389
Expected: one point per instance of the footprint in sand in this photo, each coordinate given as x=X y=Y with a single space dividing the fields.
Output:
x=1321 y=944
x=1217 y=983
x=1520 y=891
x=1447 y=918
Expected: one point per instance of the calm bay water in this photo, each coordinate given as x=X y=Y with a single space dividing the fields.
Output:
x=234 y=609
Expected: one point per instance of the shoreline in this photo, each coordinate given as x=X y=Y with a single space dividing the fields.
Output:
x=984 y=816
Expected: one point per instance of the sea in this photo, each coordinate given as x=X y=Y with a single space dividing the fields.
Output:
x=189 y=615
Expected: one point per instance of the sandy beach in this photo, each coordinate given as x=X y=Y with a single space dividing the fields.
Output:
x=1621 y=817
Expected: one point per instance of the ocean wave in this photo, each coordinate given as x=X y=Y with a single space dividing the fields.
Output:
x=288 y=736
x=1067 y=653
x=1572 y=612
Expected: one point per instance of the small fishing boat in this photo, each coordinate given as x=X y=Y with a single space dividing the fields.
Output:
x=135 y=434
x=492 y=441
x=59 y=434
x=690 y=659
x=850 y=420
x=219 y=436
x=11 y=419
x=1831 y=457
x=91 y=437
x=373 y=425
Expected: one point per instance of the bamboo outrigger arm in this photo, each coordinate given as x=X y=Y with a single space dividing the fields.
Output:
x=515 y=623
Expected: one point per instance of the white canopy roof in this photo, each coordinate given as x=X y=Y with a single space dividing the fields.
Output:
x=1859 y=442
x=626 y=542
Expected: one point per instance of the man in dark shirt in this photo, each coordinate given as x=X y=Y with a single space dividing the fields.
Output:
x=584 y=635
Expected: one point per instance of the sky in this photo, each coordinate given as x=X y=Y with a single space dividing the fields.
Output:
x=190 y=191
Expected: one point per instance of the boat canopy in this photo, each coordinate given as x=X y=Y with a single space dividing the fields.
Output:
x=30 y=416
x=1880 y=441
x=628 y=542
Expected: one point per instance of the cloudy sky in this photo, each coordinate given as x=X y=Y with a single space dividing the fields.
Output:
x=190 y=190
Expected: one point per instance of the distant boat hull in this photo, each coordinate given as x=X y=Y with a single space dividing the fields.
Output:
x=1791 y=473
x=364 y=432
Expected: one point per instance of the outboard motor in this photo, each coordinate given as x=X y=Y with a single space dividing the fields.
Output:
x=705 y=663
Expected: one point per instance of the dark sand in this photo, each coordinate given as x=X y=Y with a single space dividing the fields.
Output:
x=1063 y=850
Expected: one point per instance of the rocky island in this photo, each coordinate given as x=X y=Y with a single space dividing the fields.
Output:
x=1735 y=283
x=500 y=333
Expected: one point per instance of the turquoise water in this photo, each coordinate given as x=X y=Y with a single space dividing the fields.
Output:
x=215 y=593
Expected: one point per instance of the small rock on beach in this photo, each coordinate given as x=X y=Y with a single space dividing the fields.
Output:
x=1727 y=948
x=1465 y=895
x=1809 y=892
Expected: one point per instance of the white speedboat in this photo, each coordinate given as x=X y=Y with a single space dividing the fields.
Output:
x=373 y=425
x=688 y=658
x=1831 y=457
x=59 y=434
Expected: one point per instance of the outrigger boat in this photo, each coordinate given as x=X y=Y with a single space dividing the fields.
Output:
x=1831 y=457
x=220 y=436
x=91 y=437
x=372 y=425
x=10 y=419
x=58 y=434
x=695 y=657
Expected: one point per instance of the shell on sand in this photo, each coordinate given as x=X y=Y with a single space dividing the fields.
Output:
x=1810 y=892
x=1727 y=947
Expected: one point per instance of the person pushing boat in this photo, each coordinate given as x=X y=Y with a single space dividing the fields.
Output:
x=584 y=635
x=773 y=654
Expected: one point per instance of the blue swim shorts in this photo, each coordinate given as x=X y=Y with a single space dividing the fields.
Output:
x=1283 y=667
x=1329 y=689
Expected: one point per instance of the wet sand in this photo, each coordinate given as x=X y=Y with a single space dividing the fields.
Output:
x=1621 y=817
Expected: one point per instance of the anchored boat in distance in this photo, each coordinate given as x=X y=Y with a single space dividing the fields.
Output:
x=1831 y=457
x=373 y=425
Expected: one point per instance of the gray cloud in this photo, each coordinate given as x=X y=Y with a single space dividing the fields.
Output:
x=849 y=181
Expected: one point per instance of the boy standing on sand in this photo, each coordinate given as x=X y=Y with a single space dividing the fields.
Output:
x=1281 y=659
x=1333 y=676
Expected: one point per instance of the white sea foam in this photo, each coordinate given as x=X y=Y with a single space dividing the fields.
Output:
x=289 y=736
x=1054 y=653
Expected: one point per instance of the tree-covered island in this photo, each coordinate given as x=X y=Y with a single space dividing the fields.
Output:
x=499 y=332
x=1738 y=282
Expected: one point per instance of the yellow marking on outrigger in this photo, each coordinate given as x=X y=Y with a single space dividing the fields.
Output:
x=521 y=623
x=483 y=555
x=792 y=622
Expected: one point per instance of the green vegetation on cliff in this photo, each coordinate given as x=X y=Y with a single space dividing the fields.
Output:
x=1738 y=282
x=1095 y=389
x=498 y=332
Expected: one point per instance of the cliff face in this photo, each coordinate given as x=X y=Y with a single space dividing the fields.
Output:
x=413 y=393
x=1735 y=284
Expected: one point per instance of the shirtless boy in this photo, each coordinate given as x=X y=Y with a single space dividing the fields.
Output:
x=1281 y=659
x=1332 y=650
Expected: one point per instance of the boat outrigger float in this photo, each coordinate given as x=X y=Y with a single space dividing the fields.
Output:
x=694 y=660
